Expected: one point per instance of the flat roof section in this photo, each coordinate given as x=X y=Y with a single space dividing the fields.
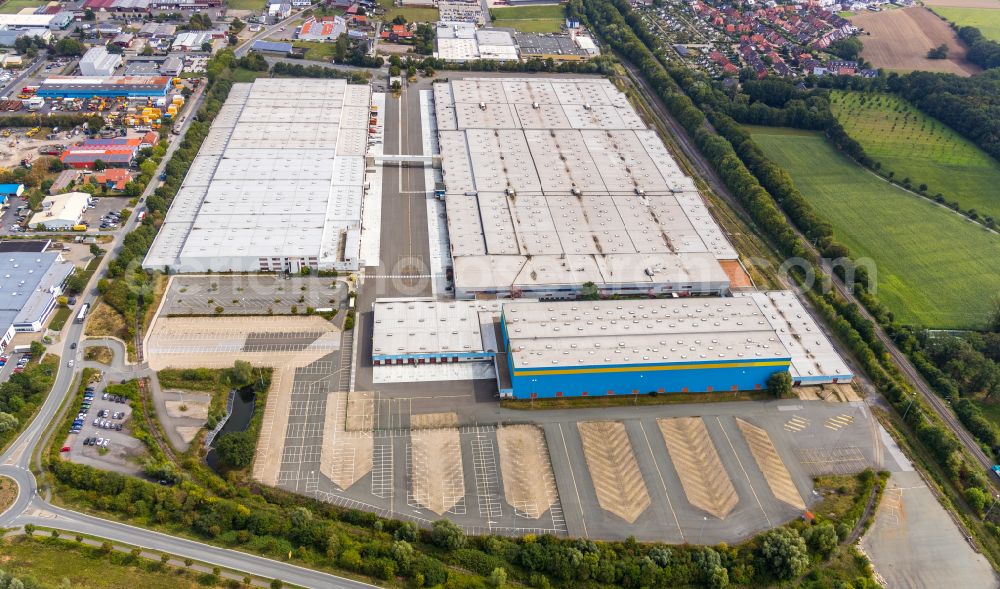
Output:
x=553 y=171
x=280 y=175
x=813 y=355
x=546 y=334
x=426 y=326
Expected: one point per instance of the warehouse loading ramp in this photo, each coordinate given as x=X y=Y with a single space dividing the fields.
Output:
x=504 y=383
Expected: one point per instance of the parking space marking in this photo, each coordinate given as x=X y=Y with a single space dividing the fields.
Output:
x=839 y=422
x=487 y=477
x=796 y=424
x=382 y=471
x=576 y=488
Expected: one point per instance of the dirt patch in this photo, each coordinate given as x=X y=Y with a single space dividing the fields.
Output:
x=187 y=432
x=831 y=393
x=770 y=463
x=8 y=493
x=345 y=457
x=705 y=481
x=433 y=420
x=436 y=469
x=105 y=321
x=617 y=480
x=360 y=411
x=528 y=482
x=900 y=39
x=102 y=354
x=195 y=409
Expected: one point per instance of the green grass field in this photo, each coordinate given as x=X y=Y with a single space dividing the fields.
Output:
x=915 y=146
x=530 y=19
x=410 y=14
x=245 y=4
x=15 y=6
x=934 y=268
x=987 y=20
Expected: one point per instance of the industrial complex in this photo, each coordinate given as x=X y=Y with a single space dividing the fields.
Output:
x=623 y=347
x=277 y=184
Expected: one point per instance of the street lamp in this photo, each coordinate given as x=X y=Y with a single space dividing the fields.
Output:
x=994 y=504
x=912 y=397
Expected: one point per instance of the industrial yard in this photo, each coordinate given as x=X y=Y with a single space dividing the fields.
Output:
x=544 y=184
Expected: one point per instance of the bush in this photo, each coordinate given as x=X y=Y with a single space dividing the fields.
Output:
x=447 y=535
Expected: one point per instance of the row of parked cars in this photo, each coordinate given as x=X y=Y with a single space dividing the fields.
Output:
x=88 y=400
x=21 y=362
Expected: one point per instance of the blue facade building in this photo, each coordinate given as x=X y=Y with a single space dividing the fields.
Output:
x=587 y=348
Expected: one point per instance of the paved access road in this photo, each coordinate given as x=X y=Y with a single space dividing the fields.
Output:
x=31 y=507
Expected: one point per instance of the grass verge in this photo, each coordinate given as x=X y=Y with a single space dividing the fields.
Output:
x=926 y=258
x=51 y=560
x=59 y=318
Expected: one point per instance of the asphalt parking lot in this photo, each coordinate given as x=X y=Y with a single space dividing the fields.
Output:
x=252 y=294
x=102 y=207
x=111 y=448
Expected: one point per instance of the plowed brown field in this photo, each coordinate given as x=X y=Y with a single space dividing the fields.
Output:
x=900 y=39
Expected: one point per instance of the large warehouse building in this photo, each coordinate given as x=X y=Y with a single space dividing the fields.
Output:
x=277 y=184
x=583 y=348
x=554 y=183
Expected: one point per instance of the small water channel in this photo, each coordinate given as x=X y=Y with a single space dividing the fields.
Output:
x=239 y=420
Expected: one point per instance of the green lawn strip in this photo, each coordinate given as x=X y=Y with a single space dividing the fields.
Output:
x=927 y=259
x=246 y=76
x=59 y=318
x=915 y=146
x=987 y=20
x=15 y=6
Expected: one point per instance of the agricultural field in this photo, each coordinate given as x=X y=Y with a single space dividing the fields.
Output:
x=530 y=19
x=900 y=39
x=15 y=6
x=985 y=18
x=913 y=145
x=929 y=261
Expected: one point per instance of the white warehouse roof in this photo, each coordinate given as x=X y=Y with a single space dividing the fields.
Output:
x=279 y=176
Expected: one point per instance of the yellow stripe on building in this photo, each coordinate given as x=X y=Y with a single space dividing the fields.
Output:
x=650 y=368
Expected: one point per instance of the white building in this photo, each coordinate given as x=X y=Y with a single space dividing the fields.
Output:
x=61 y=211
x=277 y=185
x=98 y=62
x=30 y=282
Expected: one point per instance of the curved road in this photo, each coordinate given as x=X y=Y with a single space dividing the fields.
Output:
x=31 y=508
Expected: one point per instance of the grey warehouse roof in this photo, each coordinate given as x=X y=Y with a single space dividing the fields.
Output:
x=660 y=331
x=426 y=326
x=561 y=178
